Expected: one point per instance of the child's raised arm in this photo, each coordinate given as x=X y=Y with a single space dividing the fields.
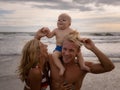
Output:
x=49 y=34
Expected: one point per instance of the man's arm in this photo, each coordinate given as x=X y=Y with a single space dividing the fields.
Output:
x=105 y=64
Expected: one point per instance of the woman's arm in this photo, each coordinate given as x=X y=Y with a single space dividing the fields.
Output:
x=39 y=34
x=35 y=77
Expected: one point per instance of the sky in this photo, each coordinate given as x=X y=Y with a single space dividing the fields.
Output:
x=87 y=15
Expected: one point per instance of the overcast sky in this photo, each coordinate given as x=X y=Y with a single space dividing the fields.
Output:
x=87 y=15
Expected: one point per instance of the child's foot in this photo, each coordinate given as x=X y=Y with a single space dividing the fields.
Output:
x=86 y=68
x=62 y=71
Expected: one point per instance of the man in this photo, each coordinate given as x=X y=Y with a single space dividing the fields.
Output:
x=73 y=76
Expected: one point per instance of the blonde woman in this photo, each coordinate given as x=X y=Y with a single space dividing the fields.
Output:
x=33 y=66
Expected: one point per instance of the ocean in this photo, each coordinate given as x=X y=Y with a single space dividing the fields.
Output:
x=11 y=43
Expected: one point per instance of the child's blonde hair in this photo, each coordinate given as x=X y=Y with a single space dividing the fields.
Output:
x=74 y=36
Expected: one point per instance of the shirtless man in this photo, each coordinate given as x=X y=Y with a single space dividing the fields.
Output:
x=73 y=76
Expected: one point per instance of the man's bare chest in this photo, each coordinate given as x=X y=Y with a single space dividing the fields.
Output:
x=74 y=74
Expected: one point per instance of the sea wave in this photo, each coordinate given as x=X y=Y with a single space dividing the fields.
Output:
x=10 y=54
x=101 y=33
x=11 y=43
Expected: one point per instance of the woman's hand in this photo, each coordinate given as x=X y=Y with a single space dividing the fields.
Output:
x=41 y=33
x=68 y=86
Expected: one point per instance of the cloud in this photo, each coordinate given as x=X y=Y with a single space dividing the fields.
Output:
x=109 y=2
x=2 y=12
x=27 y=14
x=98 y=2
x=82 y=5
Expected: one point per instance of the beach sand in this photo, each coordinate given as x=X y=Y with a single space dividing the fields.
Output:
x=10 y=81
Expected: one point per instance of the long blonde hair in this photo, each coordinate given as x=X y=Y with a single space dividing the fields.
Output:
x=32 y=54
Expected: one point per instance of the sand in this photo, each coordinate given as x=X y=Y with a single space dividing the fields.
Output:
x=105 y=81
x=10 y=81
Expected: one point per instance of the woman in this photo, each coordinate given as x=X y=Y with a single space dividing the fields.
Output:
x=33 y=69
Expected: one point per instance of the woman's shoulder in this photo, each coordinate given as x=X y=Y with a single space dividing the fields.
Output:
x=35 y=73
x=35 y=69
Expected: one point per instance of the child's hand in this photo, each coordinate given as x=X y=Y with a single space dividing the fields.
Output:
x=45 y=30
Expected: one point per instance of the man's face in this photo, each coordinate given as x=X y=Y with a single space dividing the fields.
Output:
x=69 y=51
x=63 y=22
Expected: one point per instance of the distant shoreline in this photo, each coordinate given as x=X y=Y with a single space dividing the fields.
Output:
x=82 y=33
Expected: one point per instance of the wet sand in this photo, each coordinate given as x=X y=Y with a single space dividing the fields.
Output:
x=105 y=81
x=10 y=81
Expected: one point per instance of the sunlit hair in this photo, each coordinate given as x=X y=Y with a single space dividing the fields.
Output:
x=33 y=54
x=66 y=15
x=74 y=36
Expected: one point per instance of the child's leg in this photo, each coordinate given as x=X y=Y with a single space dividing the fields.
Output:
x=82 y=63
x=56 y=55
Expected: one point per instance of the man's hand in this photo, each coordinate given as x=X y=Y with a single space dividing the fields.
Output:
x=88 y=43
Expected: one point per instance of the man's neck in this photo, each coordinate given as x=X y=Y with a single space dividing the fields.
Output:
x=69 y=63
